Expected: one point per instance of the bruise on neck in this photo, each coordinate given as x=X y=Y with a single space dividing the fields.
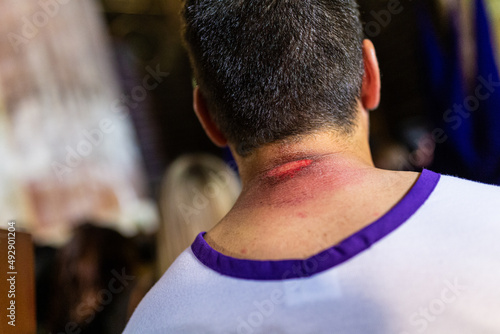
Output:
x=288 y=170
x=292 y=183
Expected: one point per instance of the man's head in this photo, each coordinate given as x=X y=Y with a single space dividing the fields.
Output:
x=269 y=70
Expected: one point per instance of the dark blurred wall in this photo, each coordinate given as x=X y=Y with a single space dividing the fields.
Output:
x=147 y=37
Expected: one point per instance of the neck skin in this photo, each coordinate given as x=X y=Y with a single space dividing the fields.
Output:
x=316 y=190
x=347 y=149
x=305 y=194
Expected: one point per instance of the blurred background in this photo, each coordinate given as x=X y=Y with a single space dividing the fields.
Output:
x=98 y=138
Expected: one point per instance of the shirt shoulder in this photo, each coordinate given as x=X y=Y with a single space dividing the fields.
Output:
x=462 y=190
x=160 y=309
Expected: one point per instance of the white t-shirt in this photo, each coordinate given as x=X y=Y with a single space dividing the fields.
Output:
x=430 y=265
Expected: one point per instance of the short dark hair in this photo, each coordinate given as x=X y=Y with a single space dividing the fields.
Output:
x=272 y=69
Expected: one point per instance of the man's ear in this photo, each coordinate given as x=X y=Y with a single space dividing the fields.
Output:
x=370 y=90
x=201 y=109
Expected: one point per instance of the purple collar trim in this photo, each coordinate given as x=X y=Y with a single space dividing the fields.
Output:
x=345 y=250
